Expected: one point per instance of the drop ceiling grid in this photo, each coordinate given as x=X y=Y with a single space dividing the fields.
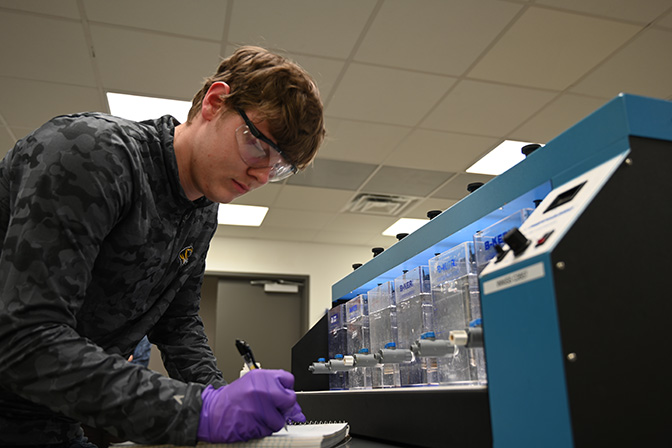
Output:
x=434 y=98
x=132 y=61
x=429 y=149
x=318 y=28
x=550 y=49
x=642 y=11
x=175 y=17
x=358 y=141
x=440 y=36
x=637 y=67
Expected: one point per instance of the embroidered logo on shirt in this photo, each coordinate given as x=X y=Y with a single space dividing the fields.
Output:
x=185 y=254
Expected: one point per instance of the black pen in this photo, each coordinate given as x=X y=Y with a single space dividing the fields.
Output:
x=246 y=352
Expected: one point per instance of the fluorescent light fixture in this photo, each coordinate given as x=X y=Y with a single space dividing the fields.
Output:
x=500 y=159
x=241 y=215
x=405 y=225
x=139 y=108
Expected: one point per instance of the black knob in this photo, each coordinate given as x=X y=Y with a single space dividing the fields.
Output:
x=529 y=149
x=433 y=214
x=516 y=241
x=401 y=236
x=474 y=186
x=501 y=253
x=356 y=266
x=377 y=251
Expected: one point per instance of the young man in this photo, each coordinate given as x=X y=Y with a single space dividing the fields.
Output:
x=104 y=225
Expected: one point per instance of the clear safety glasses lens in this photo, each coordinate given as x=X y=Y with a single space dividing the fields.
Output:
x=258 y=154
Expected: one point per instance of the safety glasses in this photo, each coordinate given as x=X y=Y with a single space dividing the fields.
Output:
x=258 y=151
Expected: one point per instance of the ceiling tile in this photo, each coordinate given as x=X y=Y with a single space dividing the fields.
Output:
x=61 y=8
x=457 y=187
x=238 y=231
x=551 y=49
x=337 y=174
x=360 y=223
x=317 y=27
x=642 y=11
x=643 y=67
x=324 y=71
x=20 y=132
x=420 y=211
x=428 y=150
x=356 y=141
x=453 y=32
x=297 y=219
x=340 y=238
x=405 y=181
x=266 y=233
x=263 y=197
x=6 y=142
x=665 y=21
x=63 y=99
x=308 y=198
x=287 y=234
x=204 y=18
x=484 y=108
x=384 y=241
x=152 y=64
x=50 y=49
x=385 y=95
x=558 y=116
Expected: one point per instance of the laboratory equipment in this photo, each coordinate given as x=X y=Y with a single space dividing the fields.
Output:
x=565 y=305
x=383 y=333
x=414 y=318
x=489 y=241
x=320 y=367
x=359 y=343
x=338 y=345
x=456 y=303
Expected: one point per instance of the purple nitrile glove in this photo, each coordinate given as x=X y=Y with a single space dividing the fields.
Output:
x=255 y=405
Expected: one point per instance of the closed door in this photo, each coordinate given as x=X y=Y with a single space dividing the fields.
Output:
x=270 y=322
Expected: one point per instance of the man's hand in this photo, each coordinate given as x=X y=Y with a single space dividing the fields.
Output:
x=256 y=405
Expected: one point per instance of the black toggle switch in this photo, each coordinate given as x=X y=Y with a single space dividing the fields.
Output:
x=501 y=253
x=516 y=241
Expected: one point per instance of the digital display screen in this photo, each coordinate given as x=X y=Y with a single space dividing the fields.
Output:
x=564 y=197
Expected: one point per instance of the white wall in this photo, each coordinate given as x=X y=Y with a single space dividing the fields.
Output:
x=325 y=264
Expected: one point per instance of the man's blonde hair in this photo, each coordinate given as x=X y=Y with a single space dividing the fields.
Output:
x=279 y=91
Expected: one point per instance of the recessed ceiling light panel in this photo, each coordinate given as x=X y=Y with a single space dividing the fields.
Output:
x=405 y=225
x=139 y=108
x=241 y=215
x=500 y=159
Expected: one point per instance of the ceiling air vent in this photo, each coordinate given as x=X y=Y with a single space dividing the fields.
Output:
x=379 y=204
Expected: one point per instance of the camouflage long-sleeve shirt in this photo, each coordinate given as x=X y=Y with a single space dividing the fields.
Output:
x=100 y=246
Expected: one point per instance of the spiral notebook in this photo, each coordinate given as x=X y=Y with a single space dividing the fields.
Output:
x=324 y=435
